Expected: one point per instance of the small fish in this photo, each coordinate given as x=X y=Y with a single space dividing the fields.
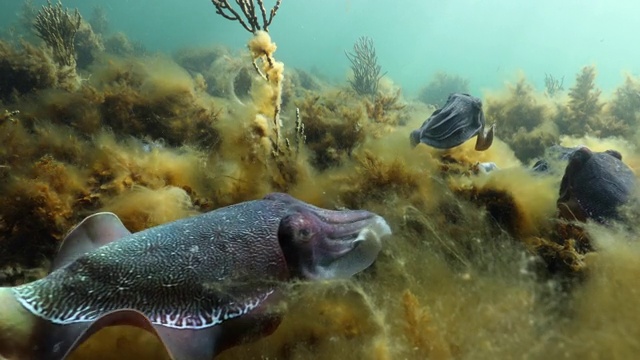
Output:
x=199 y=284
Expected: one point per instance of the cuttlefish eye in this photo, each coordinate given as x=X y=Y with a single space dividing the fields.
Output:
x=321 y=244
x=304 y=235
x=298 y=228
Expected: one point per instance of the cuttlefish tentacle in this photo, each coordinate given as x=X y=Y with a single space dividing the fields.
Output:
x=200 y=284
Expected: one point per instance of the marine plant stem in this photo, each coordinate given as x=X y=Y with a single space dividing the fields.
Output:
x=248 y=19
x=57 y=27
x=364 y=64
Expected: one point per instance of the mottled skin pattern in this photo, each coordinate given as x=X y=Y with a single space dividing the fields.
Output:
x=459 y=120
x=155 y=269
x=200 y=284
x=594 y=185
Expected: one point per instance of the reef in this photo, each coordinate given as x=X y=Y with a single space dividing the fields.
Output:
x=476 y=256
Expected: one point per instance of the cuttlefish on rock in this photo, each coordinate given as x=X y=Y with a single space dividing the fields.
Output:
x=199 y=284
x=459 y=120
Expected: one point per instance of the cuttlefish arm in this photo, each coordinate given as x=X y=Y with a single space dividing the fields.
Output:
x=485 y=137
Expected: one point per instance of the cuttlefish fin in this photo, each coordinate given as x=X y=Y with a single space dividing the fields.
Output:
x=191 y=344
x=484 y=139
x=91 y=233
x=179 y=344
x=205 y=343
x=58 y=341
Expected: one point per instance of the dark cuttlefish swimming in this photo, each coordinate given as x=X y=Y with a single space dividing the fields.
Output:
x=595 y=185
x=200 y=284
x=460 y=119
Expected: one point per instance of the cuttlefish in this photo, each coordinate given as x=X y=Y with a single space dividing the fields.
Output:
x=595 y=185
x=460 y=119
x=200 y=284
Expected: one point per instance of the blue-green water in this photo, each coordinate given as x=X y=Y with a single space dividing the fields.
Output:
x=487 y=42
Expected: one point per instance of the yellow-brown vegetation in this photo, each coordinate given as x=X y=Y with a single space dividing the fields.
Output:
x=476 y=263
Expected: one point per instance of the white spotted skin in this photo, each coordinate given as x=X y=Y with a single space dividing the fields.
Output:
x=189 y=274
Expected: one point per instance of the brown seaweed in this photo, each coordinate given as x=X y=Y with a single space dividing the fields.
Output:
x=456 y=280
x=525 y=121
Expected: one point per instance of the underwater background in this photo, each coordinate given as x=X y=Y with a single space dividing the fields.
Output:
x=486 y=42
x=161 y=116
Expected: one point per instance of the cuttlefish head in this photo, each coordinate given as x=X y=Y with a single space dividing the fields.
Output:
x=324 y=244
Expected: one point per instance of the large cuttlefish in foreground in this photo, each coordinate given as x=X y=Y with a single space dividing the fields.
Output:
x=199 y=284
